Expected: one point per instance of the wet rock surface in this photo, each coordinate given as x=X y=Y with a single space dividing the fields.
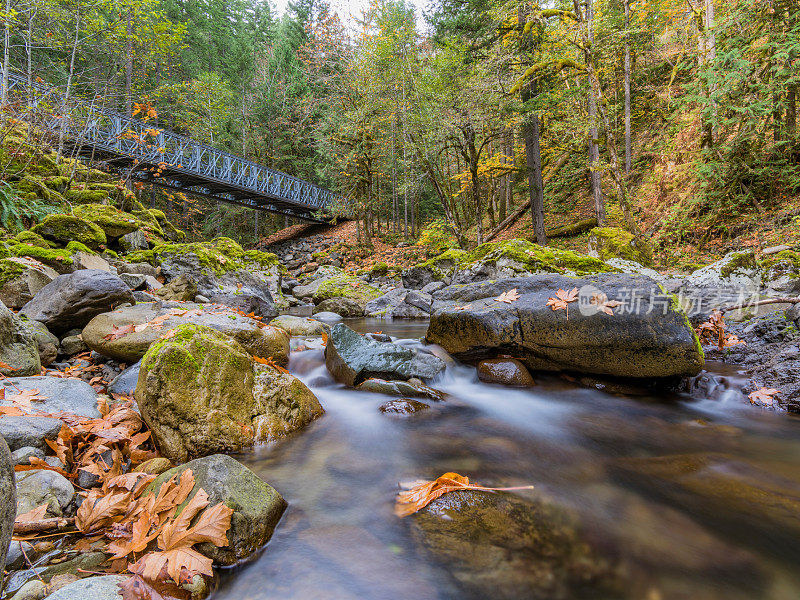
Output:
x=506 y=371
x=8 y=502
x=403 y=407
x=352 y=358
x=501 y=546
x=644 y=340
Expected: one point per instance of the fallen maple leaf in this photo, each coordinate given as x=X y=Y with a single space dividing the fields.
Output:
x=508 y=297
x=419 y=496
x=118 y=332
x=713 y=332
x=763 y=397
x=24 y=398
x=604 y=304
x=562 y=300
x=36 y=514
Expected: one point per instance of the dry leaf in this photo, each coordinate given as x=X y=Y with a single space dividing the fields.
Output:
x=508 y=297
x=763 y=397
x=418 y=497
x=562 y=300
x=37 y=514
x=713 y=332
x=24 y=398
x=604 y=304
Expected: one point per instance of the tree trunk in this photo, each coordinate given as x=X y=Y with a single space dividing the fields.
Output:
x=594 y=147
x=791 y=118
x=129 y=65
x=6 y=55
x=627 y=88
x=533 y=157
x=69 y=82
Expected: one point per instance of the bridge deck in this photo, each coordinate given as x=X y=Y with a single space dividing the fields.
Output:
x=174 y=161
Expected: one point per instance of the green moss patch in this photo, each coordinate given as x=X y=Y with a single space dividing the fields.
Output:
x=67 y=228
x=52 y=258
x=114 y=222
x=346 y=286
x=32 y=239
x=613 y=242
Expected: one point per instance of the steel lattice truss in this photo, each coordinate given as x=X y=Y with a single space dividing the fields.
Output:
x=173 y=161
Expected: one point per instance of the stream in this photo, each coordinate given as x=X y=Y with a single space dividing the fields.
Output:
x=339 y=538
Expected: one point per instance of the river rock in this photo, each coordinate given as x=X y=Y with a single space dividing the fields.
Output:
x=507 y=371
x=264 y=342
x=328 y=317
x=257 y=506
x=408 y=389
x=180 y=289
x=18 y=348
x=723 y=492
x=500 y=546
x=255 y=303
x=345 y=307
x=21 y=432
x=648 y=337
x=402 y=407
x=60 y=394
x=135 y=281
x=41 y=486
x=22 y=278
x=352 y=358
x=136 y=240
x=72 y=300
x=782 y=273
x=199 y=393
x=46 y=343
x=104 y=587
x=125 y=382
x=8 y=501
x=300 y=326
x=384 y=305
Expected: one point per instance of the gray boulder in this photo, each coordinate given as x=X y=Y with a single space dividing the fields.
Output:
x=8 y=501
x=258 y=302
x=647 y=335
x=135 y=240
x=46 y=343
x=135 y=281
x=736 y=271
x=22 y=432
x=257 y=506
x=384 y=305
x=41 y=486
x=72 y=345
x=18 y=348
x=23 y=278
x=145 y=269
x=67 y=395
x=22 y=456
x=300 y=326
x=72 y=300
x=352 y=358
x=104 y=587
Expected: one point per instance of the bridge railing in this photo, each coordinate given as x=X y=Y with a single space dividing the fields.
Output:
x=110 y=132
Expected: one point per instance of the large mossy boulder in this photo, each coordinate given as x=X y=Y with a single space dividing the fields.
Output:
x=352 y=358
x=102 y=333
x=61 y=261
x=19 y=351
x=114 y=222
x=648 y=335
x=63 y=229
x=346 y=286
x=200 y=394
x=613 y=242
x=300 y=326
x=71 y=301
x=257 y=506
x=736 y=271
x=497 y=260
x=8 y=501
x=497 y=545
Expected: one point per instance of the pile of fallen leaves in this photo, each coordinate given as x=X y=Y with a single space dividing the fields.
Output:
x=712 y=332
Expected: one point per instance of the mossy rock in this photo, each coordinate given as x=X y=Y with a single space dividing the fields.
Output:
x=220 y=256
x=110 y=219
x=9 y=270
x=60 y=260
x=613 y=242
x=380 y=269
x=141 y=256
x=76 y=196
x=32 y=239
x=782 y=263
x=346 y=286
x=66 y=228
x=74 y=247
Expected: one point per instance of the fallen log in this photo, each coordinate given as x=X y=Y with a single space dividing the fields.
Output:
x=28 y=527
x=576 y=228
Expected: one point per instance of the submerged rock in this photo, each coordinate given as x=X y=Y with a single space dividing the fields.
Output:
x=264 y=342
x=408 y=389
x=200 y=393
x=352 y=358
x=72 y=300
x=257 y=506
x=500 y=546
x=402 y=407
x=724 y=492
x=507 y=371
x=648 y=335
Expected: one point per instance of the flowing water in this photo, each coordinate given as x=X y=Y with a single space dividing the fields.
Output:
x=340 y=540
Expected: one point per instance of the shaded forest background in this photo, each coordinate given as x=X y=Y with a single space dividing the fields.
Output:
x=675 y=119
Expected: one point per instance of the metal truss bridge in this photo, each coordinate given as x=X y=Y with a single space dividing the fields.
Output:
x=167 y=159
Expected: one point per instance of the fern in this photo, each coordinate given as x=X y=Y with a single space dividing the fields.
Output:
x=16 y=213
